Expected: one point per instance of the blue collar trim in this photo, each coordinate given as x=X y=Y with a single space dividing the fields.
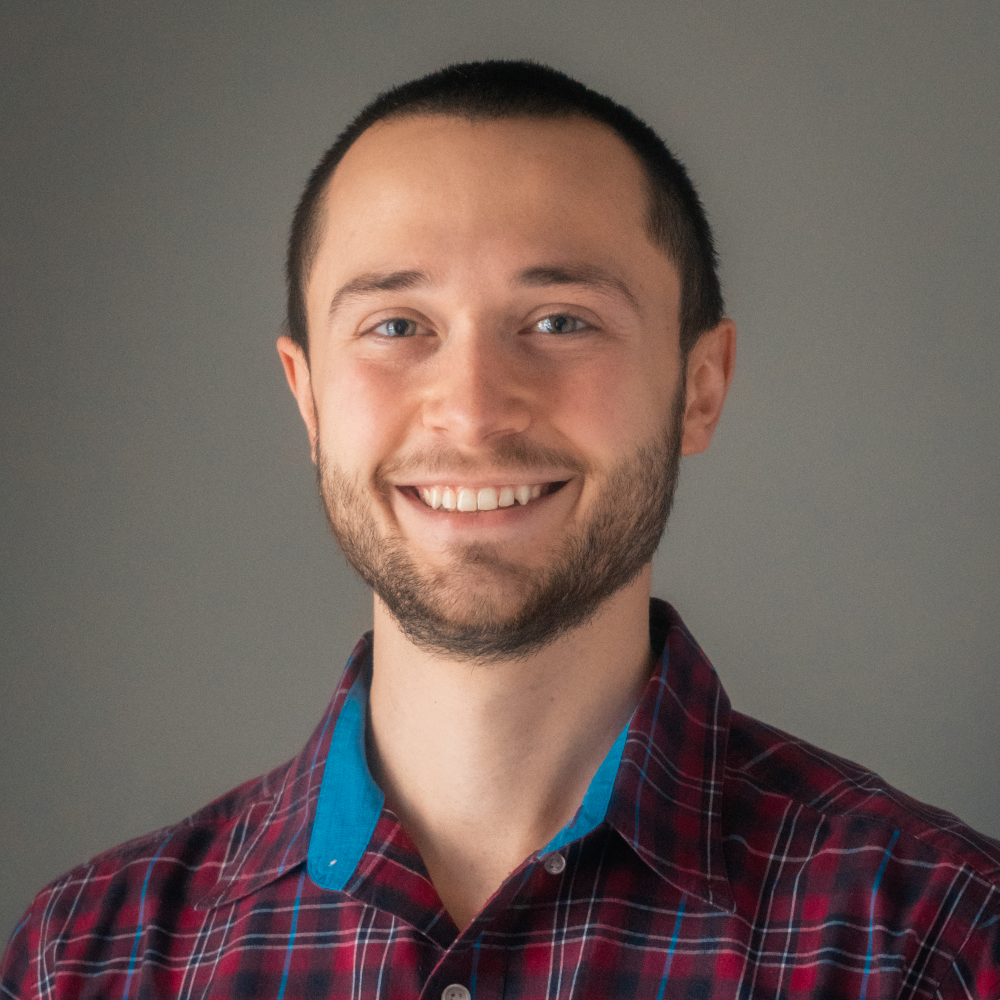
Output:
x=594 y=807
x=350 y=803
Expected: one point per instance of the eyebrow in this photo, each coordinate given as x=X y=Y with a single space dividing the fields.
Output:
x=589 y=275
x=365 y=284
x=541 y=276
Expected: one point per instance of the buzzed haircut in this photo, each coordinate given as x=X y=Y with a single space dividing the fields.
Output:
x=501 y=89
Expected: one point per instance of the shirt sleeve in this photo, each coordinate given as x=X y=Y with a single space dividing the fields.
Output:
x=15 y=968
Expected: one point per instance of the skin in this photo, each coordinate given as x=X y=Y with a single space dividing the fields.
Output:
x=485 y=763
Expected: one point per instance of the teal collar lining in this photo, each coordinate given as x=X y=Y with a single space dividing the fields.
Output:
x=594 y=806
x=350 y=802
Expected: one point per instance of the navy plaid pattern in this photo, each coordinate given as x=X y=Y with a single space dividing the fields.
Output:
x=733 y=861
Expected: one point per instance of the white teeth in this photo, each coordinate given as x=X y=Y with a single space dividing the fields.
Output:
x=466 y=499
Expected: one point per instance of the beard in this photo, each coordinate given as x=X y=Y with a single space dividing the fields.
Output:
x=525 y=608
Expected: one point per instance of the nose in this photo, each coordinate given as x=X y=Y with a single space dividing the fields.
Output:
x=479 y=389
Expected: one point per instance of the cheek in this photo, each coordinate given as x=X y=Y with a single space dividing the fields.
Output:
x=608 y=409
x=362 y=415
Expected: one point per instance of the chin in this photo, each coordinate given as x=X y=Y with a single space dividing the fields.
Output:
x=475 y=592
x=469 y=607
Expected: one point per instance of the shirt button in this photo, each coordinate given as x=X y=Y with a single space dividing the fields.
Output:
x=456 y=992
x=554 y=863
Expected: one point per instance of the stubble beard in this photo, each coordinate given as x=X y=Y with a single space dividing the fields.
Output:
x=524 y=608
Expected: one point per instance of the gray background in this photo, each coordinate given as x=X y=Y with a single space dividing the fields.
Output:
x=174 y=613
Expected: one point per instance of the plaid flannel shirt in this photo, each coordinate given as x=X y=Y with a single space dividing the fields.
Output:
x=724 y=859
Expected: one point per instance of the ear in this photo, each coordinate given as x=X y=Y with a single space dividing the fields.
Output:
x=710 y=368
x=296 y=365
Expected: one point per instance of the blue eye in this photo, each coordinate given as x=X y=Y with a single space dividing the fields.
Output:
x=396 y=327
x=560 y=323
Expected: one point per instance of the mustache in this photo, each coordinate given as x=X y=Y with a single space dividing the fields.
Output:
x=509 y=455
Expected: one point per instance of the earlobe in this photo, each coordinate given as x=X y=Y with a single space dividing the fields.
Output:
x=299 y=376
x=710 y=367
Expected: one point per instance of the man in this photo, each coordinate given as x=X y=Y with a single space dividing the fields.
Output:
x=505 y=328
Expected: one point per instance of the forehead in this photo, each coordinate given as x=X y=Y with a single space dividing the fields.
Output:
x=441 y=182
x=525 y=156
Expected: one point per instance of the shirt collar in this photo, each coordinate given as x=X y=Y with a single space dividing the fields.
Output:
x=350 y=803
x=667 y=799
x=659 y=787
x=267 y=830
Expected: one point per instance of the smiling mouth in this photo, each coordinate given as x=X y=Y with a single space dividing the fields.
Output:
x=465 y=499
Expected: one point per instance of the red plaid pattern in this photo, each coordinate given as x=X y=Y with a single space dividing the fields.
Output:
x=734 y=861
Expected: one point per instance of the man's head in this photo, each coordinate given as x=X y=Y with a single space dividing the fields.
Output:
x=494 y=91
x=495 y=389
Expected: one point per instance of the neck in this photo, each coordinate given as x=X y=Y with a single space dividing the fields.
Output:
x=485 y=764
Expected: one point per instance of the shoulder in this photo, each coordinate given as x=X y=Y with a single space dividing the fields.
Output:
x=97 y=907
x=875 y=870
x=197 y=845
x=763 y=761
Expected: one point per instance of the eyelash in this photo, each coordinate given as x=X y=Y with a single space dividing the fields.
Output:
x=578 y=323
x=395 y=319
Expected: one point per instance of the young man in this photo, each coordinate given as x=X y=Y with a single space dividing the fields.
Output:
x=505 y=328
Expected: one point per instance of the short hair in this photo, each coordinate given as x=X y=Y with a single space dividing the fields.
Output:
x=503 y=89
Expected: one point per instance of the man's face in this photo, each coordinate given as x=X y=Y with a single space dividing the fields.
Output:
x=496 y=388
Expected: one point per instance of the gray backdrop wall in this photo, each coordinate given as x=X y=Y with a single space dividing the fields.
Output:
x=174 y=613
